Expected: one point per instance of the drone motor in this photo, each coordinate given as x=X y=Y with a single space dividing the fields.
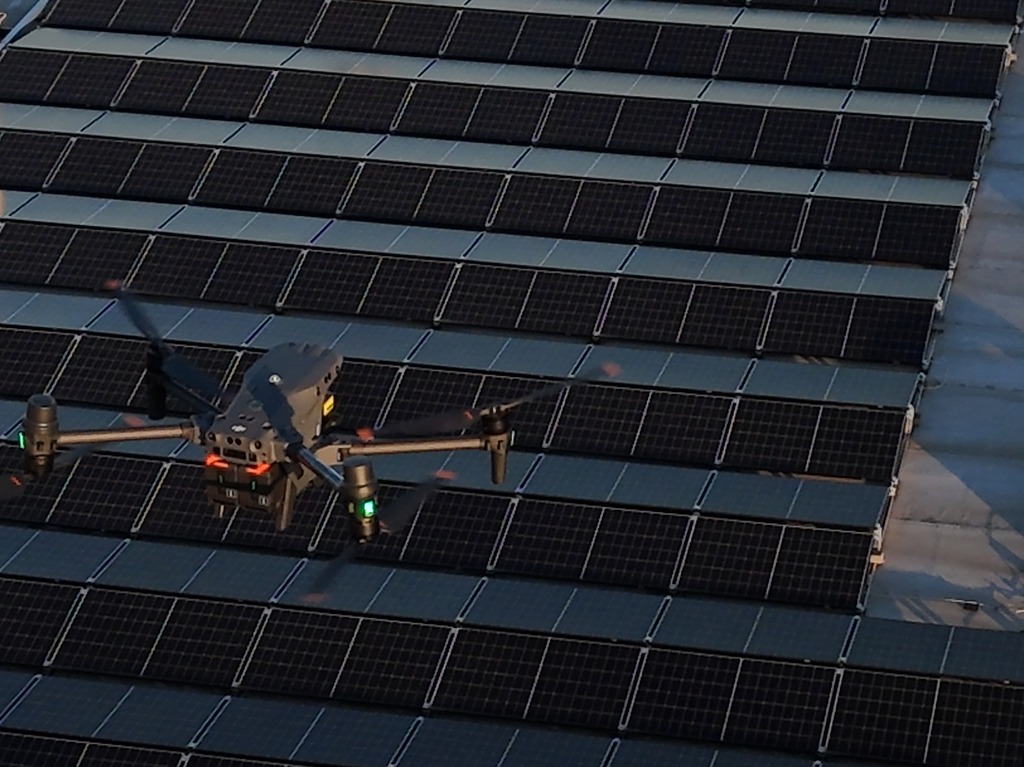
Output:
x=40 y=432
x=361 y=498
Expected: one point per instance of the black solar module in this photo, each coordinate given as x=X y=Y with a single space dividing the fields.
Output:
x=751 y=211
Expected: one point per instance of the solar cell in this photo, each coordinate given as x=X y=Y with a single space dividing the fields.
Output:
x=809 y=323
x=494 y=295
x=889 y=329
x=600 y=419
x=391 y=662
x=607 y=211
x=564 y=303
x=95 y=256
x=31 y=616
x=351 y=25
x=939 y=147
x=768 y=433
x=438 y=109
x=407 y=289
x=664 y=437
x=364 y=103
x=684 y=694
x=459 y=198
x=897 y=65
x=549 y=40
x=311 y=185
x=731 y=557
x=29 y=75
x=146 y=17
x=387 y=191
x=457 y=530
x=625 y=539
x=315 y=287
x=28 y=359
x=724 y=131
x=89 y=81
x=761 y=222
x=240 y=178
x=686 y=50
x=684 y=216
x=484 y=35
x=165 y=172
x=757 y=54
x=415 y=29
x=163 y=87
x=779 y=705
x=726 y=317
x=106 y=493
x=224 y=20
x=113 y=632
x=650 y=126
x=284 y=22
x=869 y=141
x=580 y=120
x=202 y=642
x=95 y=166
x=583 y=683
x=882 y=716
x=548 y=538
x=29 y=251
x=83 y=13
x=39 y=751
x=843 y=228
x=991 y=738
x=178 y=266
x=27 y=158
x=533 y=204
x=827 y=60
x=491 y=673
x=299 y=653
x=506 y=114
x=298 y=98
x=857 y=443
x=253 y=275
x=794 y=137
x=646 y=310
x=615 y=44
x=227 y=93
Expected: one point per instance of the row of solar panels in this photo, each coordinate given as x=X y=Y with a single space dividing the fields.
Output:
x=785 y=561
x=955 y=59
x=448 y=293
x=985 y=10
x=543 y=678
x=332 y=735
x=757 y=126
x=747 y=208
x=727 y=431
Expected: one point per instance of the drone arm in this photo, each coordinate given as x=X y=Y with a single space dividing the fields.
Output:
x=184 y=430
x=322 y=469
x=338 y=452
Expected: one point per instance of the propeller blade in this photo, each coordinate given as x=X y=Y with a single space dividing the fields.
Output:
x=175 y=366
x=14 y=484
x=321 y=587
x=396 y=516
x=457 y=420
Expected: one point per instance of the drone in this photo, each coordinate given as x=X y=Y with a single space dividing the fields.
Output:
x=275 y=437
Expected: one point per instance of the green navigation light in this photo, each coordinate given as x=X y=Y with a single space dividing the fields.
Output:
x=21 y=440
x=368 y=508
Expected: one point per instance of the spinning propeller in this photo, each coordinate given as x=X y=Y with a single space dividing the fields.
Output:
x=16 y=483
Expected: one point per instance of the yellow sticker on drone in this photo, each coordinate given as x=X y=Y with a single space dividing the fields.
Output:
x=328 y=405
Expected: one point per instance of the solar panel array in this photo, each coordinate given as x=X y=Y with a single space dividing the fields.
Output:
x=753 y=211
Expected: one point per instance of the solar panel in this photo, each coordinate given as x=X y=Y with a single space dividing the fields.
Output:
x=600 y=419
x=106 y=493
x=165 y=172
x=94 y=257
x=966 y=70
x=506 y=114
x=660 y=436
x=298 y=98
x=438 y=109
x=726 y=317
x=772 y=434
x=27 y=158
x=253 y=275
x=826 y=60
x=364 y=103
x=651 y=126
x=29 y=251
x=757 y=54
x=857 y=443
x=684 y=216
x=415 y=29
x=286 y=725
x=607 y=211
x=240 y=178
x=95 y=166
x=143 y=16
x=548 y=538
x=315 y=288
x=28 y=359
x=497 y=292
x=870 y=141
x=897 y=65
x=646 y=310
x=484 y=34
x=724 y=131
x=548 y=40
x=794 y=137
x=160 y=86
x=202 y=642
x=31 y=615
x=635 y=548
x=168 y=718
x=407 y=289
x=846 y=228
x=615 y=44
x=815 y=322
x=55 y=705
x=89 y=81
x=227 y=93
x=907 y=326
x=178 y=266
x=83 y=13
x=179 y=507
x=882 y=716
x=391 y=662
x=113 y=632
x=457 y=530
x=459 y=197
x=421 y=387
x=39 y=751
x=282 y=21
x=730 y=557
x=917 y=234
x=300 y=653
x=564 y=303
x=533 y=418
x=387 y=191
x=533 y=204
x=360 y=390
x=221 y=20
x=993 y=739
x=899 y=646
x=490 y=672
x=943 y=148
x=580 y=119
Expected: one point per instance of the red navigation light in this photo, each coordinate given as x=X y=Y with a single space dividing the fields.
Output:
x=215 y=461
x=257 y=471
